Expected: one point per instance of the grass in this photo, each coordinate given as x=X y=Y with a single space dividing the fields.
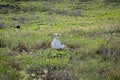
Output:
x=90 y=30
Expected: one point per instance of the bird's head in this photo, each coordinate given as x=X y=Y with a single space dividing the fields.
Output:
x=56 y=35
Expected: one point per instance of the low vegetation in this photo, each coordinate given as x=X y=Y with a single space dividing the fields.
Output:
x=90 y=29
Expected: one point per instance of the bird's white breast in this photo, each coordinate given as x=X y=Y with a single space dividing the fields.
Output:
x=57 y=45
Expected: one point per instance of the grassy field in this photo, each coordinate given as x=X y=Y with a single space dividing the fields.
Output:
x=90 y=30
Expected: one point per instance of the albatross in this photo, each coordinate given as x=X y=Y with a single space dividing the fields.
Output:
x=56 y=43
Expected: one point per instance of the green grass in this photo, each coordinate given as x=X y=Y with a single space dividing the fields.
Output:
x=90 y=30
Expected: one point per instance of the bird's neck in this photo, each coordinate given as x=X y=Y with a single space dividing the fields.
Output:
x=55 y=38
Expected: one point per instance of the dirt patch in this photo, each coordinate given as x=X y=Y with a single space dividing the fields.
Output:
x=21 y=48
x=43 y=45
x=112 y=74
x=49 y=73
x=72 y=47
x=9 y=53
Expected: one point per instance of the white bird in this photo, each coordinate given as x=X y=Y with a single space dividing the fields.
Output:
x=56 y=43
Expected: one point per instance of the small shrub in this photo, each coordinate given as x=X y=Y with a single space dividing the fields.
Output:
x=109 y=51
x=76 y=13
x=2 y=43
x=53 y=53
x=85 y=0
x=111 y=1
x=77 y=32
x=20 y=19
x=8 y=73
x=2 y=25
x=113 y=74
x=7 y=6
